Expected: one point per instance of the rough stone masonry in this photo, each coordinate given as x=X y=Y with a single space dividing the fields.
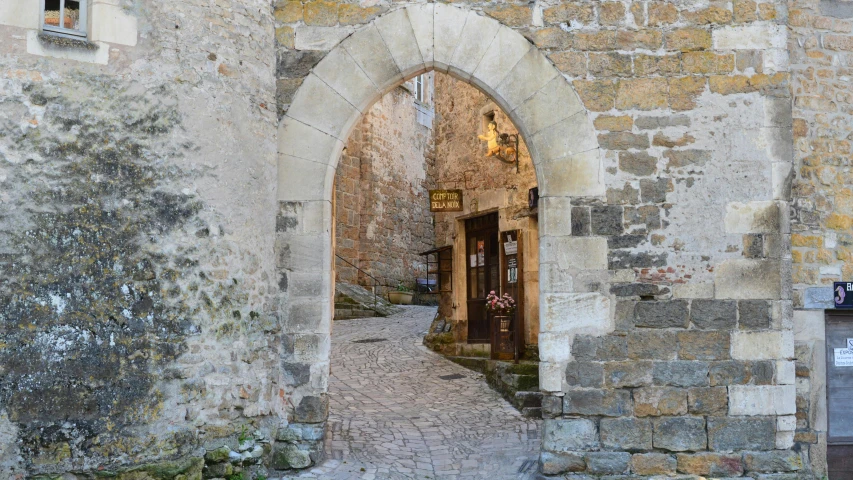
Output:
x=165 y=224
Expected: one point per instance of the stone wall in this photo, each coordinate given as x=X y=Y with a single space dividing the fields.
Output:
x=696 y=375
x=382 y=203
x=138 y=315
x=144 y=320
x=820 y=46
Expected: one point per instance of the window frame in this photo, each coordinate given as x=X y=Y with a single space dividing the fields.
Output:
x=420 y=90
x=81 y=33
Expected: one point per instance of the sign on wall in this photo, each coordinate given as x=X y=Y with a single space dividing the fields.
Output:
x=445 y=200
x=842 y=293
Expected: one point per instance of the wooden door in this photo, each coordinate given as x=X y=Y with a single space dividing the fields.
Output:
x=512 y=282
x=839 y=392
x=483 y=265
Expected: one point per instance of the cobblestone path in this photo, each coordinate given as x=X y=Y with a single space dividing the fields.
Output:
x=393 y=416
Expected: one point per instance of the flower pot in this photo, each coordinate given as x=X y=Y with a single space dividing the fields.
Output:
x=400 y=298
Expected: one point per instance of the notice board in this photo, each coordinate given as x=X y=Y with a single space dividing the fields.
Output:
x=839 y=376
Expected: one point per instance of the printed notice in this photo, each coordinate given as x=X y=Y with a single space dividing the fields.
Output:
x=850 y=344
x=843 y=357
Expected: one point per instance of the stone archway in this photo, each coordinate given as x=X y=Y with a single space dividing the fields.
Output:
x=356 y=73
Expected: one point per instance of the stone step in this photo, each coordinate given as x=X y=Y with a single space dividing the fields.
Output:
x=358 y=297
x=527 y=399
x=532 y=412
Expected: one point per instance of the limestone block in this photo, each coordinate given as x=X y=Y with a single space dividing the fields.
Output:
x=750 y=37
x=786 y=423
x=714 y=465
x=474 y=42
x=581 y=253
x=368 y=50
x=309 y=347
x=772 y=462
x=449 y=22
x=339 y=71
x=679 y=434
x=748 y=279
x=396 y=31
x=762 y=400
x=584 y=374
x=778 y=112
x=300 y=179
x=308 y=284
x=782 y=178
x=20 y=14
x=306 y=316
x=693 y=290
x=422 y=18
x=507 y=48
x=776 y=60
x=551 y=376
x=818 y=298
x=112 y=24
x=303 y=141
x=563 y=139
x=335 y=118
x=529 y=75
x=303 y=253
x=554 y=103
x=316 y=217
x=708 y=401
x=552 y=278
x=762 y=345
x=578 y=175
x=607 y=463
x=626 y=433
x=587 y=313
x=732 y=434
x=319 y=375
x=653 y=464
x=320 y=38
x=555 y=347
x=553 y=463
x=786 y=372
x=555 y=217
x=754 y=217
x=681 y=373
x=608 y=403
x=662 y=314
x=784 y=440
x=570 y=434
x=779 y=143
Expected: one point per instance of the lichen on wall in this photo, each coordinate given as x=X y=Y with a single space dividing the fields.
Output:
x=97 y=298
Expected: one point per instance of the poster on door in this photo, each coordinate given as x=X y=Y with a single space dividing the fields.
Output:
x=512 y=270
x=481 y=253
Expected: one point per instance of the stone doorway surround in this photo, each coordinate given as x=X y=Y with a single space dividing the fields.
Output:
x=354 y=75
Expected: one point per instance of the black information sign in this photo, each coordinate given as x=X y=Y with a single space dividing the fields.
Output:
x=842 y=293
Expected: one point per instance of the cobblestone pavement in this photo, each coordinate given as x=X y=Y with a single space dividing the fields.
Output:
x=393 y=416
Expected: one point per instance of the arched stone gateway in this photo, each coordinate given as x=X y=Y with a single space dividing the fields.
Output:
x=627 y=365
x=356 y=73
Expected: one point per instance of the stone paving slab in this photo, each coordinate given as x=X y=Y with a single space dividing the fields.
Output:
x=393 y=417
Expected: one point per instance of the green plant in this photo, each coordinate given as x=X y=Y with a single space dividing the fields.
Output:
x=260 y=476
x=402 y=287
x=244 y=434
x=237 y=476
